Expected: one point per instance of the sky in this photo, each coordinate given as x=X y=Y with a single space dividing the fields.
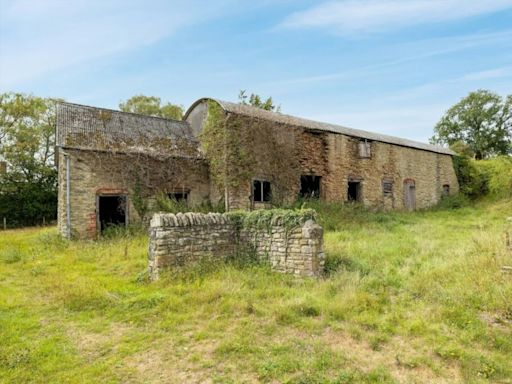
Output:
x=388 y=66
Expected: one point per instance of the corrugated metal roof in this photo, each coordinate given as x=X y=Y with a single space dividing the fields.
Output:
x=85 y=127
x=259 y=113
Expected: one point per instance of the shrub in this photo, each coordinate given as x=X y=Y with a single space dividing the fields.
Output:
x=472 y=182
x=478 y=178
x=459 y=200
x=26 y=203
x=498 y=175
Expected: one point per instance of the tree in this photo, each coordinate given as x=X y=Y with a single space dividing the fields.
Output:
x=256 y=101
x=151 y=106
x=28 y=190
x=481 y=123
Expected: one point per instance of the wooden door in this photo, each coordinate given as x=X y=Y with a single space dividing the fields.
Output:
x=409 y=195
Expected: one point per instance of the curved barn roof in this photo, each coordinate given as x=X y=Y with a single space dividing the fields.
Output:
x=259 y=113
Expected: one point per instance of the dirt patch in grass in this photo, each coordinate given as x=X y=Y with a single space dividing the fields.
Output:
x=93 y=345
x=501 y=321
x=404 y=362
x=191 y=361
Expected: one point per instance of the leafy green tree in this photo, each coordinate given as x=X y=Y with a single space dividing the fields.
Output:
x=151 y=106
x=28 y=189
x=482 y=121
x=257 y=101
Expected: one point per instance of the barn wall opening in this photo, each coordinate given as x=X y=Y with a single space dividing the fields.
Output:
x=181 y=196
x=261 y=191
x=310 y=186
x=409 y=194
x=111 y=211
x=354 y=192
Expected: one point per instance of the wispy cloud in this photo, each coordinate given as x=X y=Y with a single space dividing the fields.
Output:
x=424 y=49
x=495 y=73
x=350 y=17
x=46 y=36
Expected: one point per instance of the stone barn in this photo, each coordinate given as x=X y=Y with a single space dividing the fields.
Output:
x=113 y=164
x=280 y=157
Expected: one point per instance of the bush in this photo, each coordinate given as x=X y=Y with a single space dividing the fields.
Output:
x=472 y=182
x=498 y=175
x=454 y=201
x=478 y=178
x=25 y=204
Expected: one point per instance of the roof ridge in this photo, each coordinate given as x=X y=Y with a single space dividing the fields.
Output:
x=323 y=126
x=120 y=112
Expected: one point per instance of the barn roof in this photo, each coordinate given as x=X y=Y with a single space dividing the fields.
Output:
x=259 y=113
x=85 y=127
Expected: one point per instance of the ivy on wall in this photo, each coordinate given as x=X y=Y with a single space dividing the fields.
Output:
x=241 y=148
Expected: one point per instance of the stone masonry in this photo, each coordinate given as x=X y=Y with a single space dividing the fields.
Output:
x=186 y=238
x=104 y=154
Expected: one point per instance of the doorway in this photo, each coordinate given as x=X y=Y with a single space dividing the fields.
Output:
x=111 y=211
x=409 y=194
x=354 y=191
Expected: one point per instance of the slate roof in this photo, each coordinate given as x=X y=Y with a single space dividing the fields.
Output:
x=85 y=127
x=259 y=113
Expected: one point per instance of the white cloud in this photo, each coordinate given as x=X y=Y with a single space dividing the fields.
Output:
x=39 y=37
x=350 y=17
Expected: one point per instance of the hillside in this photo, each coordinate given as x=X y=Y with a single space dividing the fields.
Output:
x=417 y=297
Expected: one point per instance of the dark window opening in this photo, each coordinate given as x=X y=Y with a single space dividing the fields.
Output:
x=178 y=196
x=387 y=187
x=446 y=190
x=111 y=211
x=354 y=191
x=310 y=186
x=261 y=191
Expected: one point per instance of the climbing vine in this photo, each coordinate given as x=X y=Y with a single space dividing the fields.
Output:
x=241 y=148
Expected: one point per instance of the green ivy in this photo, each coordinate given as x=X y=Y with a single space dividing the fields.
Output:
x=267 y=218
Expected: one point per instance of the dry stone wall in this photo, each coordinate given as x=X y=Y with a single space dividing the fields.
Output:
x=180 y=239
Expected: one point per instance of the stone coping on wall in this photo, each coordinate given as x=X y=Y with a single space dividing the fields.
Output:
x=166 y=220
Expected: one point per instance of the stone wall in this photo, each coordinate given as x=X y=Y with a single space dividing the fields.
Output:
x=335 y=158
x=181 y=239
x=94 y=174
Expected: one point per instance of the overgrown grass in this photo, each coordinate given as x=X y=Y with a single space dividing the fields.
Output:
x=410 y=297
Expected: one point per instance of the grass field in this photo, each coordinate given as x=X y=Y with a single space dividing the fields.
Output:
x=410 y=298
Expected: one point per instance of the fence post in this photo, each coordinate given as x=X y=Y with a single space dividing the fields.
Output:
x=5 y=223
x=44 y=221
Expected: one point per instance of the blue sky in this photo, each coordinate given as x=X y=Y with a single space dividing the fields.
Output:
x=390 y=66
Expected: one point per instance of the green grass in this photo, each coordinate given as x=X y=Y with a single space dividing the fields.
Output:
x=408 y=298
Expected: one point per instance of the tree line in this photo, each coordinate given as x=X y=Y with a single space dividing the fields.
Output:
x=479 y=127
